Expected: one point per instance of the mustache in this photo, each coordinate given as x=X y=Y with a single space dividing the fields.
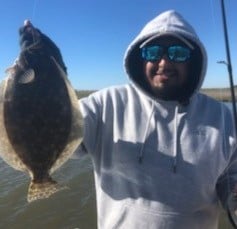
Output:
x=164 y=71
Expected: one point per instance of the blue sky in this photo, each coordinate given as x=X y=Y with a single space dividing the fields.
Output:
x=94 y=34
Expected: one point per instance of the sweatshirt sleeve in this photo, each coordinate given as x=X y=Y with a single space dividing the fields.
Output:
x=228 y=179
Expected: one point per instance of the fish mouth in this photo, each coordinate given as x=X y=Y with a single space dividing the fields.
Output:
x=27 y=22
x=29 y=36
x=27 y=27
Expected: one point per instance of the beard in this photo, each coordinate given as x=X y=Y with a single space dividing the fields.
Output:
x=168 y=84
x=173 y=93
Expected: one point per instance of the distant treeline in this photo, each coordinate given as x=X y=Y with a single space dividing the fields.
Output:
x=221 y=94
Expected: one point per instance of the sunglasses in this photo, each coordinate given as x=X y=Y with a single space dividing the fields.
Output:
x=175 y=53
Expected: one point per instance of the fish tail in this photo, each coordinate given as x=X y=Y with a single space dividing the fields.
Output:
x=43 y=190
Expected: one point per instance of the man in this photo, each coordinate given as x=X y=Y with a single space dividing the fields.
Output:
x=163 y=154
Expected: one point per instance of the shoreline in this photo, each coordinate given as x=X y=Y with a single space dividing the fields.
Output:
x=220 y=94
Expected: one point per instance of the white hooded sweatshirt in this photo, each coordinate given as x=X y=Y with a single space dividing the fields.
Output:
x=159 y=164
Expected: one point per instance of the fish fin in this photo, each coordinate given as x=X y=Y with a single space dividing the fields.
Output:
x=27 y=77
x=43 y=190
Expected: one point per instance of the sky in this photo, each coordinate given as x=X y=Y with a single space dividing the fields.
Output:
x=93 y=35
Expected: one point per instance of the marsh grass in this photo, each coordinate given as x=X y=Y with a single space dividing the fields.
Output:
x=221 y=94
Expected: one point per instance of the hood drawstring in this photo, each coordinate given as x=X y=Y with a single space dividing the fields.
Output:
x=175 y=144
x=141 y=152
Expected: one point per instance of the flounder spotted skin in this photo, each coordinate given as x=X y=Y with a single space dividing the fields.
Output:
x=39 y=115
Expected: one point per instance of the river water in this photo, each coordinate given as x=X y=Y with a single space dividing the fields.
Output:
x=69 y=209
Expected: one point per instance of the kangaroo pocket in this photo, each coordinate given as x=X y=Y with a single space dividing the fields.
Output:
x=137 y=217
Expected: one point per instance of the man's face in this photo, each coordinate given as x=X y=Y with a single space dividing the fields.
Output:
x=166 y=78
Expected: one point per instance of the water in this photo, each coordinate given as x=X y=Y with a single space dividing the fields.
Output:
x=69 y=209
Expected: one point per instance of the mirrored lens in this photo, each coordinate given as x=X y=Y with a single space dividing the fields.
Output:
x=178 y=53
x=175 y=53
x=152 y=53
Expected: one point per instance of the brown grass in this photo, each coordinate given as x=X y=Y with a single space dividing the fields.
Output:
x=221 y=94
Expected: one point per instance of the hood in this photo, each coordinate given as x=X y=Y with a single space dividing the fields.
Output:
x=167 y=23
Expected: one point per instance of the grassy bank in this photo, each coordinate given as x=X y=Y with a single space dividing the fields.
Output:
x=83 y=93
x=221 y=94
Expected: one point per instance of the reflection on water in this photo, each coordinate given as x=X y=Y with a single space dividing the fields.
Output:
x=68 y=209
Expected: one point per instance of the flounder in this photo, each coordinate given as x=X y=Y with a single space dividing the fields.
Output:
x=40 y=122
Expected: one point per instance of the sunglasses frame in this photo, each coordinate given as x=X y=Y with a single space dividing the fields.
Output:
x=166 y=50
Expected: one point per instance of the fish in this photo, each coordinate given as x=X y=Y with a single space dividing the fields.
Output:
x=40 y=121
